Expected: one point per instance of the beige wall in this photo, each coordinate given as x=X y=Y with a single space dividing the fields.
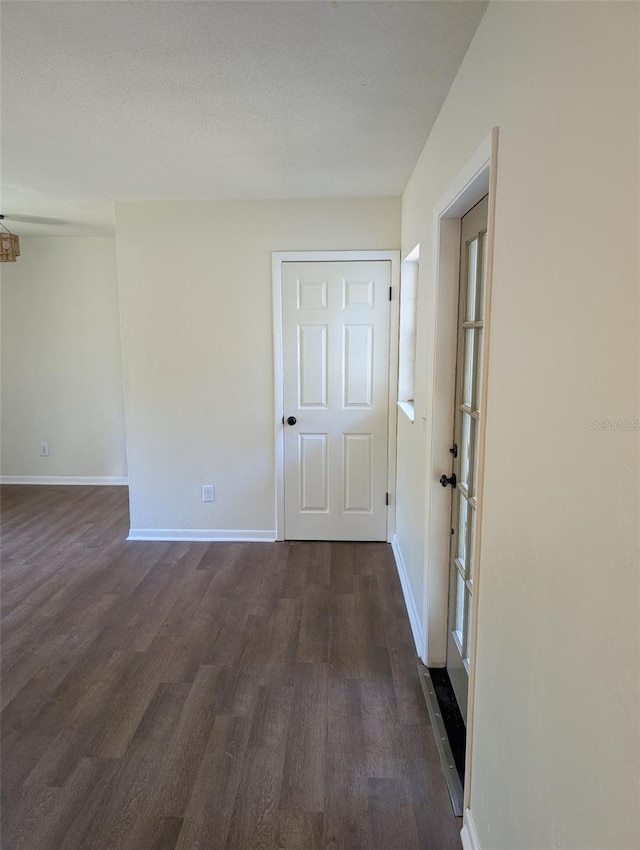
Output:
x=555 y=746
x=61 y=362
x=196 y=313
x=555 y=739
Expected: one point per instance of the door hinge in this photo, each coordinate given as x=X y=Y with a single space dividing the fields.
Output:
x=390 y=291
x=452 y=532
x=386 y=500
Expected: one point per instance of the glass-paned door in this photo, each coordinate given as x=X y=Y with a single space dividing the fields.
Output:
x=473 y=256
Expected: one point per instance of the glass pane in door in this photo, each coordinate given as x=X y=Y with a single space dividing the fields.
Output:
x=477 y=389
x=460 y=597
x=483 y=273
x=472 y=274
x=472 y=542
x=474 y=466
x=465 y=449
x=462 y=529
x=467 y=628
x=469 y=370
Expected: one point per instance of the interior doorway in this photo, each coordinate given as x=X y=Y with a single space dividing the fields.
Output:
x=335 y=319
x=477 y=179
x=464 y=448
x=335 y=336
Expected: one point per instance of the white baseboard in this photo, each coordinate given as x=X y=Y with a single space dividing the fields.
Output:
x=409 y=601
x=57 y=480
x=468 y=832
x=227 y=535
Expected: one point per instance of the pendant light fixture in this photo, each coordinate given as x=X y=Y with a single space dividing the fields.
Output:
x=9 y=244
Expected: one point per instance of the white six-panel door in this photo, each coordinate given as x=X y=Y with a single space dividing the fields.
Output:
x=336 y=374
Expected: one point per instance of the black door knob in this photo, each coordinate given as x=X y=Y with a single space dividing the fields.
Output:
x=446 y=481
x=292 y=420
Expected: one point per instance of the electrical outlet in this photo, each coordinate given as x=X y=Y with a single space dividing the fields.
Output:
x=208 y=493
x=44 y=449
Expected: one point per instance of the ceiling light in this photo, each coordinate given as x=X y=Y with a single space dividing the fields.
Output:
x=9 y=245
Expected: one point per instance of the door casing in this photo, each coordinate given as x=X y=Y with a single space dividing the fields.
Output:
x=280 y=257
x=477 y=179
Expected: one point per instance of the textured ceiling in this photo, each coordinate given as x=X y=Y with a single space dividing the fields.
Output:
x=145 y=99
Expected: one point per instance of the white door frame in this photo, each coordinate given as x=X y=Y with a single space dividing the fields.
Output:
x=280 y=257
x=477 y=179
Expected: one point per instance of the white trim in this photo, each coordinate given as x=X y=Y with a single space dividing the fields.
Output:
x=333 y=256
x=468 y=832
x=57 y=480
x=409 y=601
x=278 y=385
x=407 y=325
x=414 y=255
x=470 y=185
x=409 y=410
x=462 y=192
x=392 y=411
x=277 y=259
x=476 y=179
x=228 y=535
x=486 y=377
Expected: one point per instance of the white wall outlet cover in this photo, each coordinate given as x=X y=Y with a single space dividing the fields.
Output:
x=208 y=493
x=44 y=449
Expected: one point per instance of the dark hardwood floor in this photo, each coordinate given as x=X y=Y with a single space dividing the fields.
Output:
x=205 y=696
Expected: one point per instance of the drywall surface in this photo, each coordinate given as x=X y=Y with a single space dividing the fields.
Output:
x=410 y=503
x=196 y=312
x=555 y=755
x=61 y=360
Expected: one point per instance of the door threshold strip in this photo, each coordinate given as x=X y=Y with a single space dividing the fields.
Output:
x=454 y=786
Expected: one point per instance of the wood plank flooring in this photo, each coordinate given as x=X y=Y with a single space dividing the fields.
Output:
x=194 y=696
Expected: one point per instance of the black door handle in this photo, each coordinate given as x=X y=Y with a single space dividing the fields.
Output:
x=291 y=420
x=446 y=481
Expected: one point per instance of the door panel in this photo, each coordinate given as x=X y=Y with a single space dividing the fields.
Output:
x=466 y=416
x=312 y=356
x=312 y=295
x=358 y=365
x=312 y=454
x=336 y=373
x=358 y=472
